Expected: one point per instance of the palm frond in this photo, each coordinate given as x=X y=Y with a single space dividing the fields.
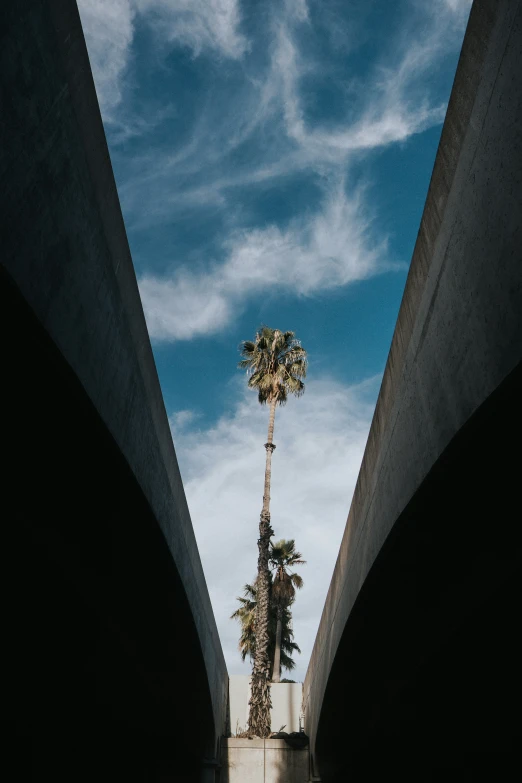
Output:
x=246 y=614
x=297 y=580
x=276 y=364
x=284 y=555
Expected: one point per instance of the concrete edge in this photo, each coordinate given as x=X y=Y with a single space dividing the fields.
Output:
x=279 y=744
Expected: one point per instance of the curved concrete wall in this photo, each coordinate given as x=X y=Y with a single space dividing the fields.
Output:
x=459 y=329
x=65 y=248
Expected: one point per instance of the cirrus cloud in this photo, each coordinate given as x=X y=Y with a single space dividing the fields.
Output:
x=109 y=28
x=314 y=253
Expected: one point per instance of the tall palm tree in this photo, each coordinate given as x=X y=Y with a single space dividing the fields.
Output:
x=246 y=615
x=283 y=555
x=276 y=365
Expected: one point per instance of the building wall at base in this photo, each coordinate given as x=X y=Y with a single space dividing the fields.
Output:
x=286 y=697
x=263 y=761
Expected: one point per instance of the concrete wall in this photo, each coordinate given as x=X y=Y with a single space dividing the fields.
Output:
x=103 y=497
x=238 y=695
x=458 y=340
x=286 y=698
x=263 y=761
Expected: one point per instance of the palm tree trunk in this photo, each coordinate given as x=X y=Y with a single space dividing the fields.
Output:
x=276 y=676
x=269 y=446
x=260 y=703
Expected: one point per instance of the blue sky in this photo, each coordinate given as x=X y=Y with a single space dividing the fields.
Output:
x=272 y=160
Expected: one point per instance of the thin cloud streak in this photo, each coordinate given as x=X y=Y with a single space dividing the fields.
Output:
x=318 y=253
x=391 y=116
x=197 y=24
x=109 y=29
x=320 y=442
x=459 y=6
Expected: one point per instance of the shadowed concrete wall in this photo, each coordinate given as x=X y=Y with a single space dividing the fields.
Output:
x=430 y=546
x=113 y=647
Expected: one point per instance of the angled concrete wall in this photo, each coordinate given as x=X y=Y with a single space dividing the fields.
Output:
x=99 y=453
x=456 y=346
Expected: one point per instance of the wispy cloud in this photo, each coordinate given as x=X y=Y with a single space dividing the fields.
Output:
x=393 y=103
x=198 y=24
x=320 y=442
x=313 y=253
x=109 y=28
x=184 y=307
x=394 y=108
x=263 y=135
x=180 y=420
x=459 y=6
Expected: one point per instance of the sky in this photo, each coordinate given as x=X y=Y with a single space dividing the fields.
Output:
x=272 y=159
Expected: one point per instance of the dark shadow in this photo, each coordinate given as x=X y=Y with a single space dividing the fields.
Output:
x=222 y=772
x=291 y=709
x=105 y=675
x=427 y=674
x=292 y=767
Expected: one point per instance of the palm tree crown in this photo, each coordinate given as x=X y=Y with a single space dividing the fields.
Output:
x=283 y=555
x=276 y=363
x=246 y=615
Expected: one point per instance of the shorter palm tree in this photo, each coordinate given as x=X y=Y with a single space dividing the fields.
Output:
x=246 y=615
x=283 y=555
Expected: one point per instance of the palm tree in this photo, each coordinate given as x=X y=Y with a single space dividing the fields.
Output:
x=246 y=615
x=276 y=364
x=283 y=555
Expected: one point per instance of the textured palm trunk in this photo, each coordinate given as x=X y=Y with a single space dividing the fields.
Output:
x=260 y=703
x=276 y=676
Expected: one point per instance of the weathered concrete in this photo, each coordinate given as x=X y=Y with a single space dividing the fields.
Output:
x=263 y=761
x=287 y=698
x=438 y=470
x=128 y=664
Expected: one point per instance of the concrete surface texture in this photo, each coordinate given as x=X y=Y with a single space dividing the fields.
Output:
x=263 y=761
x=442 y=437
x=286 y=698
x=101 y=532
